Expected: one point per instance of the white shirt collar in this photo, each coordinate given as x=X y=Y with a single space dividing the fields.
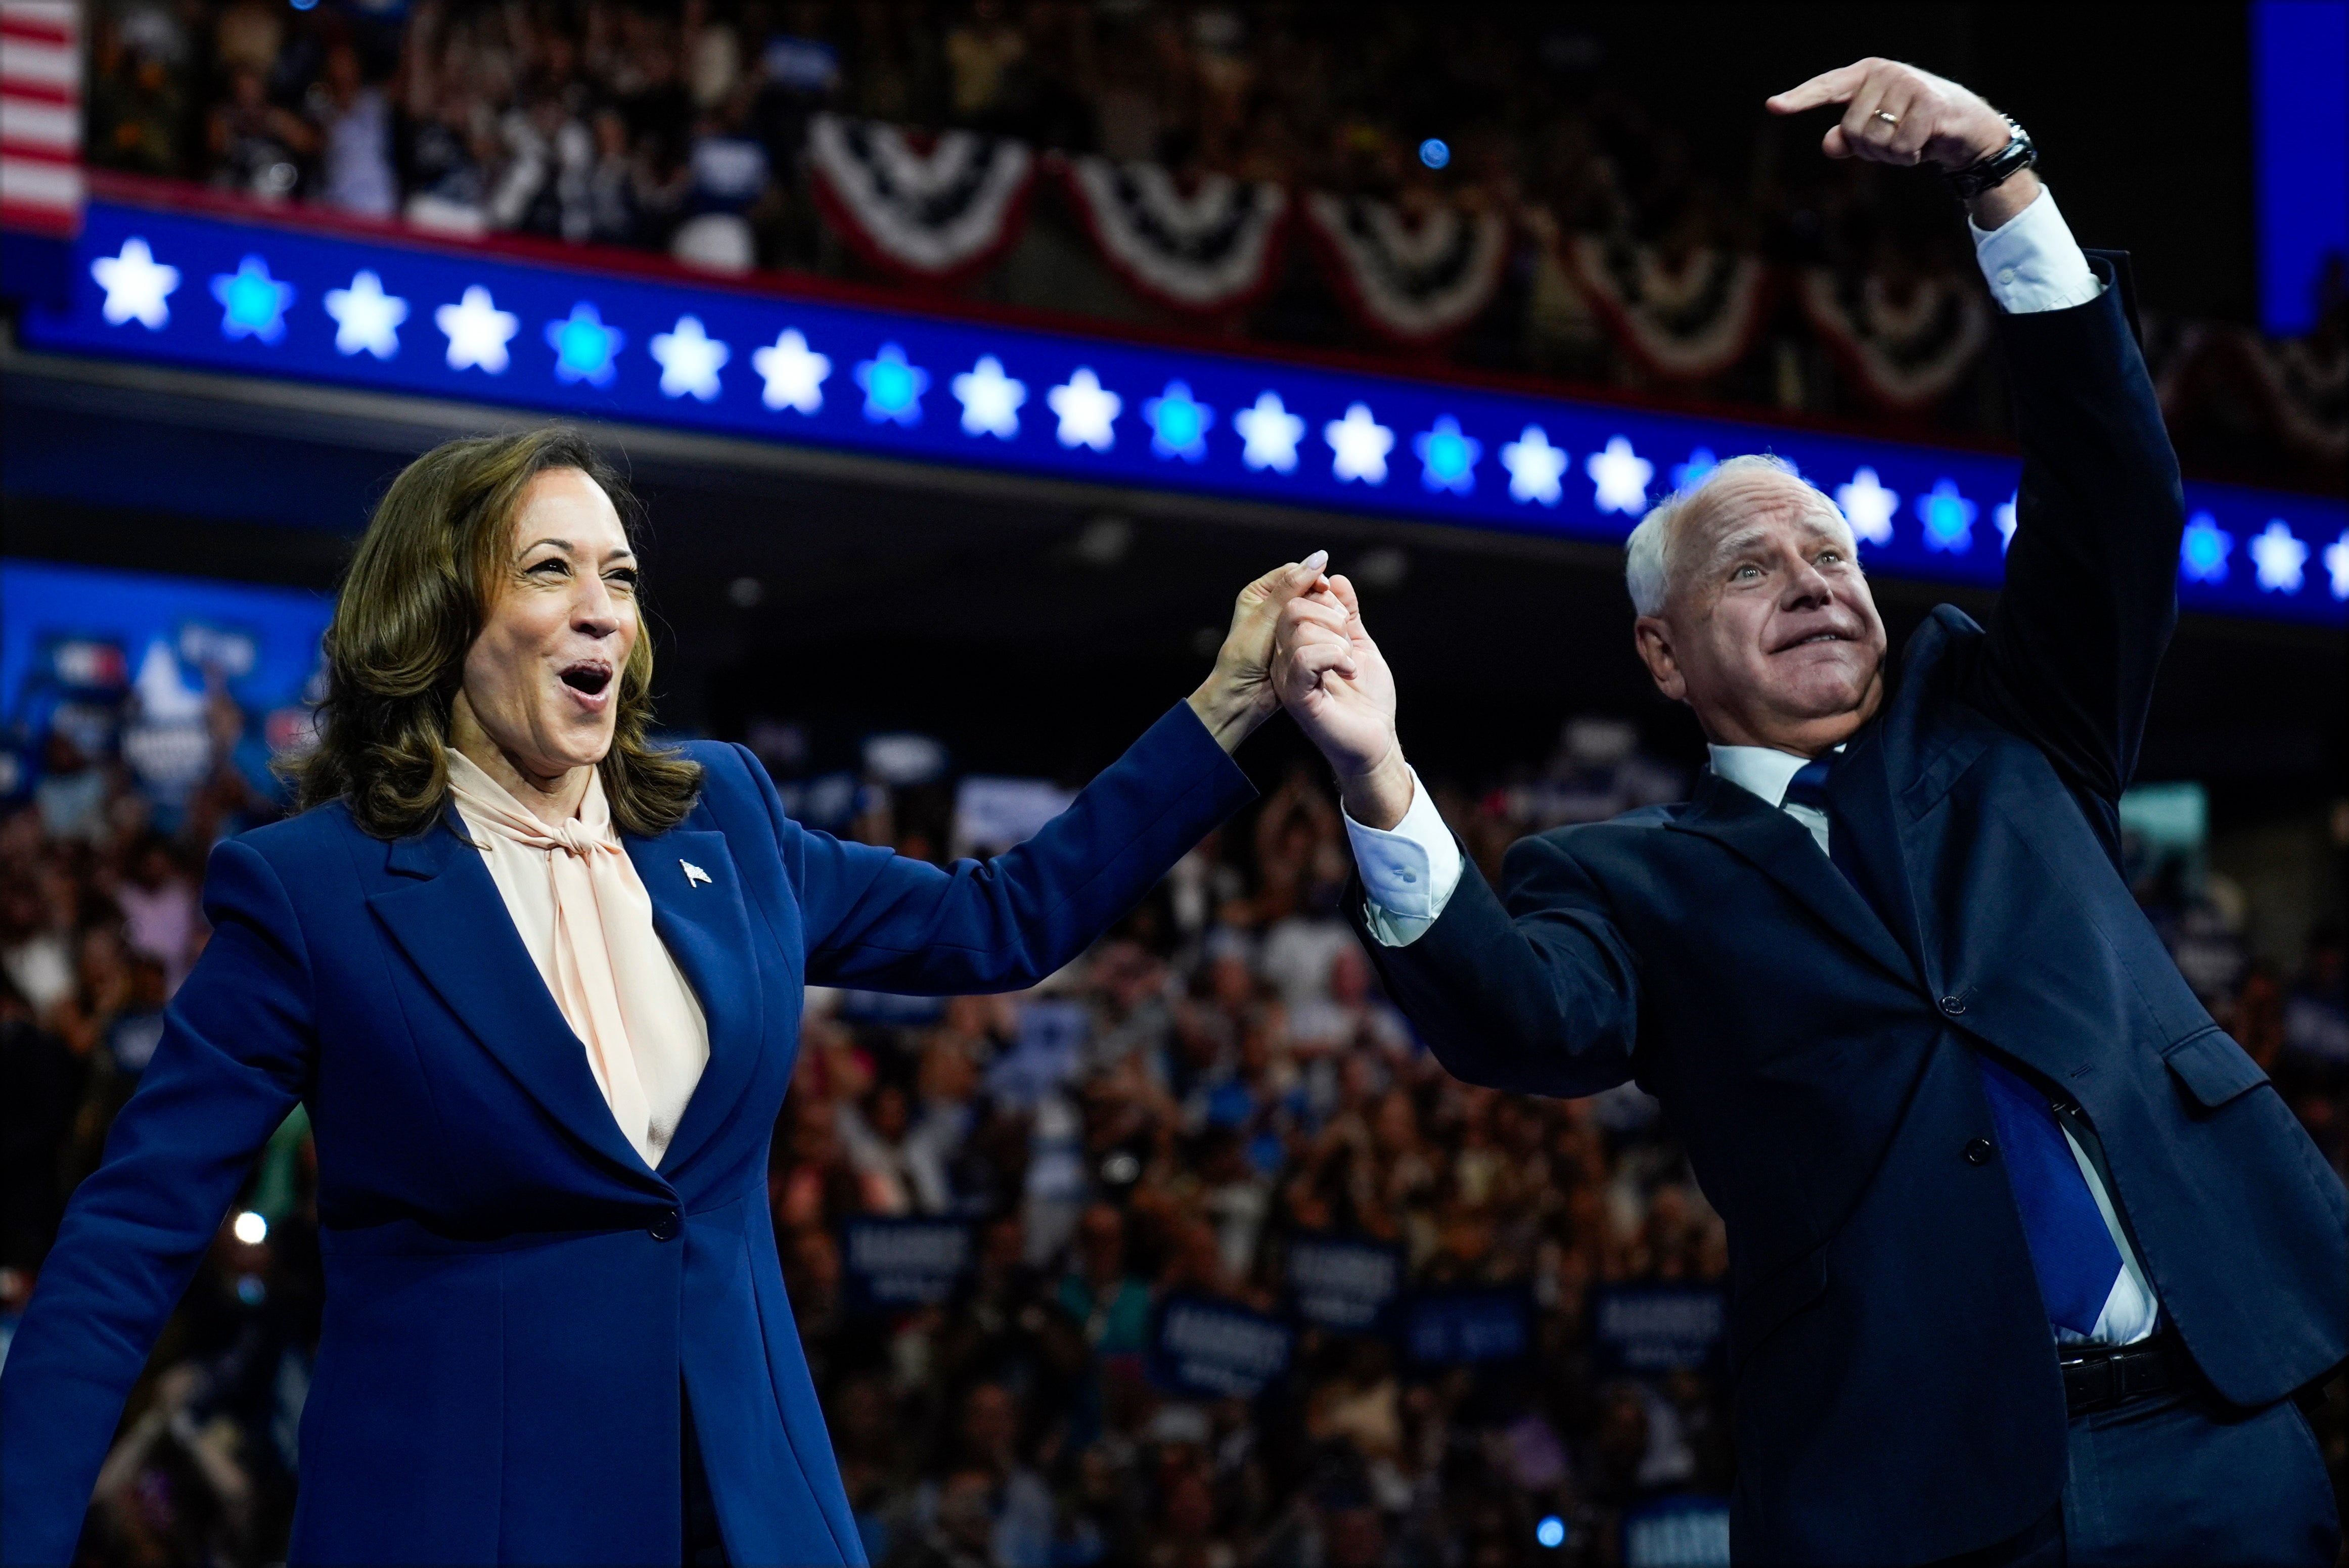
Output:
x=1760 y=769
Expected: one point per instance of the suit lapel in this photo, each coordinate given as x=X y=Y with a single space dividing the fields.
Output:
x=1867 y=833
x=452 y=923
x=1756 y=831
x=701 y=914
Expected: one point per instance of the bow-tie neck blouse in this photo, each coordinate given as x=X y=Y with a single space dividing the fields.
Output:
x=574 y=896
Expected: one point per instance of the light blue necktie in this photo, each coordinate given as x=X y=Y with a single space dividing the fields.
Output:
x=2070 y=1251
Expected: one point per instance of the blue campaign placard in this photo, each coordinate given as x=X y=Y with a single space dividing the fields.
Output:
x=897 y=1262
x=133 y=662
x=478 y=324
x=1209 y=1347
x=1658 y=1327
x=1345 y=1283
x=1453 y=1327
x=1677 y=1533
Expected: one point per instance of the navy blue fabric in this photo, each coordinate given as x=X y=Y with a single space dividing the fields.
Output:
x=2071 y=1251
x=511 y=1294
x=1813 y=1036
x=2174 y=1479
x=1808 y=787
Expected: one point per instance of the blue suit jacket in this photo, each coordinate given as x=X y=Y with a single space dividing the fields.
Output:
x=511 y=1293
x=1897 y=1393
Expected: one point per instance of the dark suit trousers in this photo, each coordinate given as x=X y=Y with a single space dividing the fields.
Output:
x=2177 y=1478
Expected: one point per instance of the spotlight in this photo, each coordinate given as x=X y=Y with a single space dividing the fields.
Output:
x=1434 y=153
x=251 y=1229
x=1550 y=1531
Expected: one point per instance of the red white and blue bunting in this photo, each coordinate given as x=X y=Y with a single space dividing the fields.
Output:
x=1207 y=250
x=938 y=212
x=1415 y=282
x=1682 y=321
x=1903 y=354
x=2306 y=389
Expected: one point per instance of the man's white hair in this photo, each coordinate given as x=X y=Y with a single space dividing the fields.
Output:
x=1647 y=564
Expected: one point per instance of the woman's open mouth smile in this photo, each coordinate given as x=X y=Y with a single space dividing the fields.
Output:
x=589 y=682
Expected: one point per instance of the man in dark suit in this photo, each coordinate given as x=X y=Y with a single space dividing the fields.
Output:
x=2026 y=1256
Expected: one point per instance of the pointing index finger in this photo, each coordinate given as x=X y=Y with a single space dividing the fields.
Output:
x=1829 y=87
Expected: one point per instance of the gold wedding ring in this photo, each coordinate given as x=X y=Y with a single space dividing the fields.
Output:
x=1887 y=118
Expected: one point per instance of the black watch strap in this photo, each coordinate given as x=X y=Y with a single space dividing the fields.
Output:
x=2019 y=153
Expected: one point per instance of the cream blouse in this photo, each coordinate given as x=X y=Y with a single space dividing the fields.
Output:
x=581 y=911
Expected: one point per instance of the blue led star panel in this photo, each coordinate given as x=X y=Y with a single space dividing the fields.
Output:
x=232 y=295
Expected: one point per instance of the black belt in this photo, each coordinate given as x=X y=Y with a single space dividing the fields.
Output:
x=2098 y=1380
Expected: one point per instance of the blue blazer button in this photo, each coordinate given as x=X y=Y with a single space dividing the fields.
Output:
x=665 y=1227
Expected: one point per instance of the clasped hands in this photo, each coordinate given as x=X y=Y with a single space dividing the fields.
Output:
x=1296 y=641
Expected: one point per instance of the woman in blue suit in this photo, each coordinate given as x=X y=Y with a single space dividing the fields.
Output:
x=555 y=1331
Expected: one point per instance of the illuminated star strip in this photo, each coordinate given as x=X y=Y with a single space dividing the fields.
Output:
x=1126 y=413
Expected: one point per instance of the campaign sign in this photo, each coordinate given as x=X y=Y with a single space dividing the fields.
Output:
x=1213 y=1347
x=1344 y=1283
x=1677 y=1533
x=132 y=663
x=1445 y=1328
x=1659 y=1327
x=903 y=1263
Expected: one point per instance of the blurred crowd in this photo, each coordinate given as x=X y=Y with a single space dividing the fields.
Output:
x=607 y=122
x=1216 y=1084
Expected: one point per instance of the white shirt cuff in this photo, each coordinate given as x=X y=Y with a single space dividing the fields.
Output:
x=1409 y=871
x=2031 y=262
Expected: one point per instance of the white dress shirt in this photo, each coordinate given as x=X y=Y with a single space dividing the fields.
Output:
x=1409 y=871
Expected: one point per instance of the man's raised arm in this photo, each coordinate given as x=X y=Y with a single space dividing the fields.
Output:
x=2091 y=573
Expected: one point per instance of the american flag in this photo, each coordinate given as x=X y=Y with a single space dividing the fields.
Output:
x=40 y=116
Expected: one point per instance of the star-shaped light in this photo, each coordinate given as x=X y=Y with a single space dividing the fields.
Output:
x=1358 y=446
x=366 y=319
x=252 y=304
x=1701 y=462
x=136 y=285
x=1535 y=466
x=1178 y=423
x=2203 y=549
x=2003 y=514
x=1447 y=459
x=1868 y=507
x=1949 y=517
x=689 y=359
x=1620 y=478
x=1271 y=433
x=892 y=388
x=794 y=373
x=478 y=331
x=2336 y=563
x=2279 y=556
x=584 y=348
x=990 y=400
x=1086 y=408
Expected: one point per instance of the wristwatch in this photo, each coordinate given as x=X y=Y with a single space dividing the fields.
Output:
x=1975 y=178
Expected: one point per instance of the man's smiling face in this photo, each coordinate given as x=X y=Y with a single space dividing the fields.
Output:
x=1768 y=629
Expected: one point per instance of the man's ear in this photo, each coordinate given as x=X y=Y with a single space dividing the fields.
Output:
x=1651 y=635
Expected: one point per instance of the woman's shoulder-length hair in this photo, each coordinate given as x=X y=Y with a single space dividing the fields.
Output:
x=411 y=604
